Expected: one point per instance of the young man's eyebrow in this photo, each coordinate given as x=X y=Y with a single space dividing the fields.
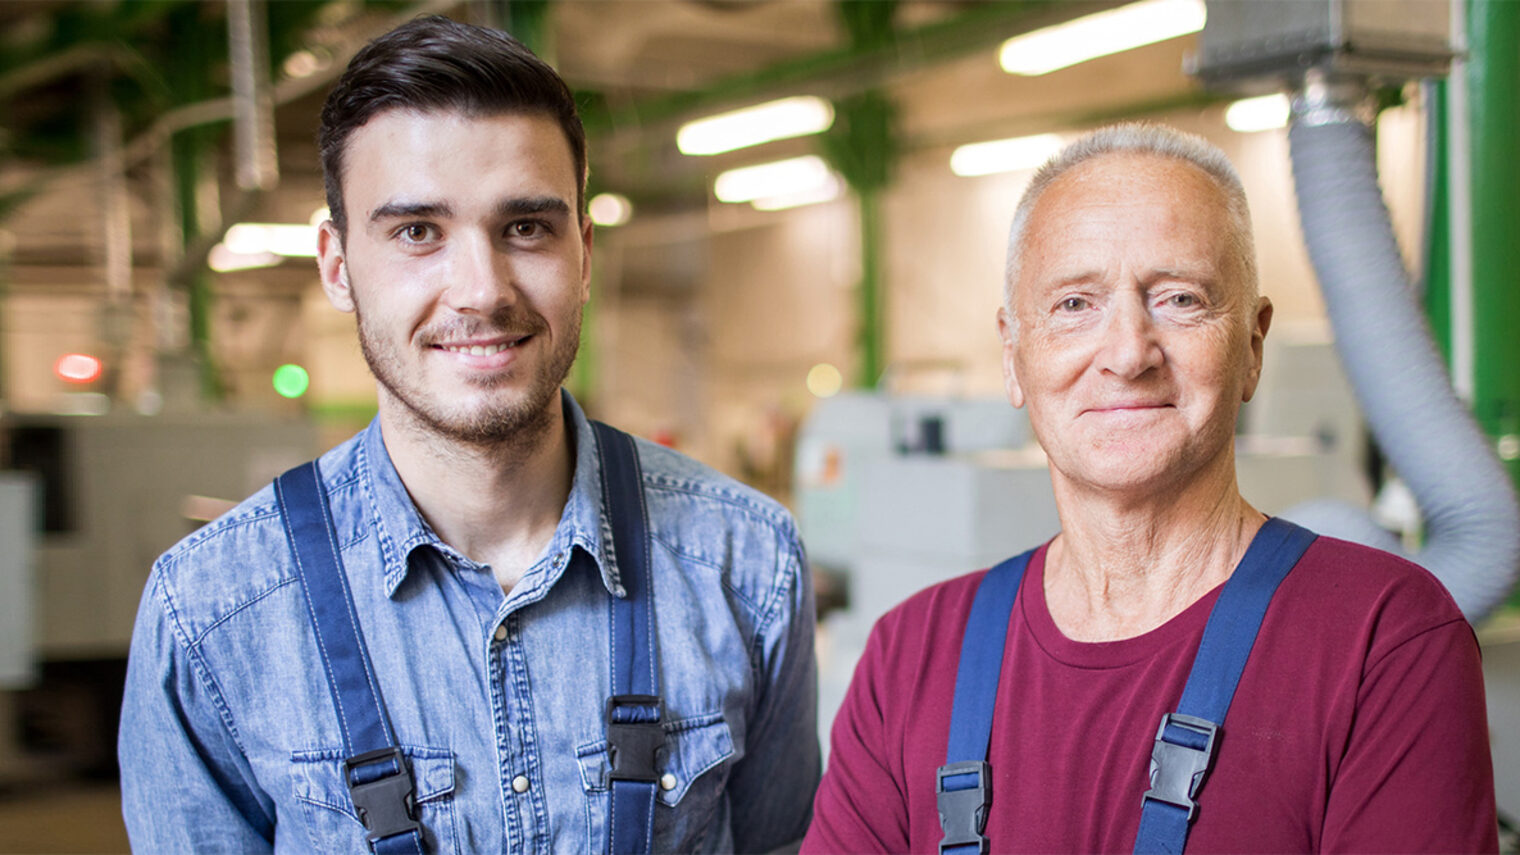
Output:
x=520 y=205
x=395 y=210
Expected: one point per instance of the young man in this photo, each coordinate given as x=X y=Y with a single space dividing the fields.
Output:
x=1132 y=330
x=493 y=566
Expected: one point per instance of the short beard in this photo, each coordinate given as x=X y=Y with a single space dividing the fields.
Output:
x=509 y=427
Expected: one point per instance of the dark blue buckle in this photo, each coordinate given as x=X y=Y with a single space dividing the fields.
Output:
x=385 y=804
x=634 y=737
x=1177 y=769
x=963 y=804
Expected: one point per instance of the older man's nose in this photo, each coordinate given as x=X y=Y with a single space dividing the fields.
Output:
x=1130 y=346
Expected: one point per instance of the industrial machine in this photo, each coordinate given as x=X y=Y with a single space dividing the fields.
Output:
x=87 y=503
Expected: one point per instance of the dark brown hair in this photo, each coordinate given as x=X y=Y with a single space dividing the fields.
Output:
x=434 y=64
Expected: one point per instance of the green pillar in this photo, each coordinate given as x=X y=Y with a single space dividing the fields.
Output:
x=1493 y=81
x=526 y=20
x=862 y=147
x=1438 y=241
x=189 y=147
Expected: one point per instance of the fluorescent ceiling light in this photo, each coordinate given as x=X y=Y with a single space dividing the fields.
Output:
x=769 y=180
x=1100 y=34
x=225 y=260
x=1011 y=155
x=776 y=120
x=1263 y=113
x=293 y=240
x=610 y=209
x=826 y=191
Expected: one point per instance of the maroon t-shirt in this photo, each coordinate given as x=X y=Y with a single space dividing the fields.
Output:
x=1358 y=725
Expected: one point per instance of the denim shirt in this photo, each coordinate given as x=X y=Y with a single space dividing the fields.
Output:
x=229 y=739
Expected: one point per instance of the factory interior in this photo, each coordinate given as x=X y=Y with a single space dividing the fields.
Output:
x=801 y=210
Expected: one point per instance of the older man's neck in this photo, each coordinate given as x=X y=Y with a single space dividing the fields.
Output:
x=1120 y=569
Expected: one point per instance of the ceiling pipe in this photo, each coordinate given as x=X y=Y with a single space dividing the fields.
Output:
x=253 y=142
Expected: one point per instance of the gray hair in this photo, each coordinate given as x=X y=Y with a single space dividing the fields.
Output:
x=1140 y=138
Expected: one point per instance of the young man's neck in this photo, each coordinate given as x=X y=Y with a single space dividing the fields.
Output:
x=497 y=503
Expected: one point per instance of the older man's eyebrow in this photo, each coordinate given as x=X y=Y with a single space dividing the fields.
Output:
x=521 y=205
x=403 y=210
x=1197 y=275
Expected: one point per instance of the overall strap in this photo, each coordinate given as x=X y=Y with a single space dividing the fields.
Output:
x=378 y=778
x=634 y=733
x=1185 y=741
x=963 y=786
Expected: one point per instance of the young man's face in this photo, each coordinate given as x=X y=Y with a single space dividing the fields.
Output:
x=466 y=264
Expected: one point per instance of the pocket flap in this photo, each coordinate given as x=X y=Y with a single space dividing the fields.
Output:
x=692 y=747
x=317 y=776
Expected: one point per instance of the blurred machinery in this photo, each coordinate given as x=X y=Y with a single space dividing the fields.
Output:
x=87 y=503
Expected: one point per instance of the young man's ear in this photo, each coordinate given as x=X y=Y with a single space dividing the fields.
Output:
x=333 y=267
x=586 y=241
x=1009 y=336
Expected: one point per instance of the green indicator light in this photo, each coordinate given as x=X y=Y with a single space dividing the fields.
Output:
x=291 y=380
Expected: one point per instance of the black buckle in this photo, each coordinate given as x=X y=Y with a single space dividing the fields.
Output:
x=386 y=805
x=963 y=810
x=1177 y=770
x=633 y=746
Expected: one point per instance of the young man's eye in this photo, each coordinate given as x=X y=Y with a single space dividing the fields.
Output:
x=416 y=233
x=527 y=229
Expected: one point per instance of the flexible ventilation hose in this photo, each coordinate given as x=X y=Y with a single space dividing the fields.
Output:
x=1472 y=520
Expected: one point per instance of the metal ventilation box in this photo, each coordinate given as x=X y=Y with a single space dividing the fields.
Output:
x=1262 y=44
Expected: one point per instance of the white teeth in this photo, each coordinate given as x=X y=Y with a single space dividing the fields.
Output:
x=479 y=350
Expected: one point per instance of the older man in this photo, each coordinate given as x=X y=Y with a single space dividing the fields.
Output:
x=1074 y=699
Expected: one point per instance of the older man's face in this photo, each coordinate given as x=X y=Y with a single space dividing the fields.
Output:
x=1136 y=339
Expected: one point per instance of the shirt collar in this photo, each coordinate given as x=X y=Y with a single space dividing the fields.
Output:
x=584 y=524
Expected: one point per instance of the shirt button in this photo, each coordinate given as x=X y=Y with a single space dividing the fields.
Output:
x=559 y=559
x=501 y=635
x=667 y=781
x=520 y=784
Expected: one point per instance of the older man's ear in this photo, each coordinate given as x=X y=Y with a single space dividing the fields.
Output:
x=1259 y=326
x=1005 y=324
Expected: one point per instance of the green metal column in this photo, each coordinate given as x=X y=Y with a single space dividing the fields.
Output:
x=1438 y=241
x=872 y=332
x=189 y=84
x=1493 y=81
x=862 y=147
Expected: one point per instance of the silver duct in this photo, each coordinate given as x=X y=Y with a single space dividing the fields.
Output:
x=1471 y=517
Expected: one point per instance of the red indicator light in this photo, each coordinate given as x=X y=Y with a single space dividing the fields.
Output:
x=77 y=368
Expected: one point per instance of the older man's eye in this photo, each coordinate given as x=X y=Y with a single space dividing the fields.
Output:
x=1184 y=300
x=1073 y=304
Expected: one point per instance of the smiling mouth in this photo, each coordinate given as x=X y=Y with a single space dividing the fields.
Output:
x=1122 y=408
x=482 y=349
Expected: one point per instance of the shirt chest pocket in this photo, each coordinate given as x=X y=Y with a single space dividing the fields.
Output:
x=328 y=812
x=689 y=798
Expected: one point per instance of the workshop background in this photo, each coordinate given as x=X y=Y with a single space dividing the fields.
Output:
x=802 y=298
